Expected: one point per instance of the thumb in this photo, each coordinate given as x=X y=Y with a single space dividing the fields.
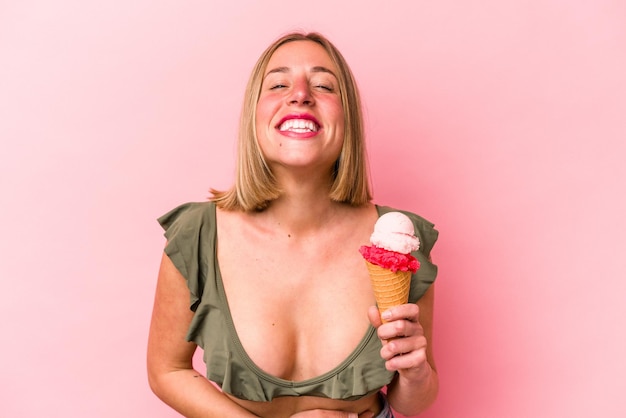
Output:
x=374 y=316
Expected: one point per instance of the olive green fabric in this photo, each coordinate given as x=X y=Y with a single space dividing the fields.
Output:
x=191 y=235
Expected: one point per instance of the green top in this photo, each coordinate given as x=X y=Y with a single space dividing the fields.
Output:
x=192 y=238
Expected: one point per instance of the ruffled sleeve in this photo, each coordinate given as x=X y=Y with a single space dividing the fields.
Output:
x=189 y=229
x=427 y=234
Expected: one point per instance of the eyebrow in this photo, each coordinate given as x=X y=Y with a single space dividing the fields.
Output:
x=317 y=69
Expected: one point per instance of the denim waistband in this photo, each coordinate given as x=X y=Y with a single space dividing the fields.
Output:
x=386 y=412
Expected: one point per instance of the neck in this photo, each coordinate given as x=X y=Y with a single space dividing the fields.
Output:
x=304 y=205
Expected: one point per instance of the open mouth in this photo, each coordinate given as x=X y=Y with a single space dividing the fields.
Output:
x=298 y=126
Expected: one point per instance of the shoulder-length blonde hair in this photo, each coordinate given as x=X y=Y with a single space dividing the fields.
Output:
x=255 y=185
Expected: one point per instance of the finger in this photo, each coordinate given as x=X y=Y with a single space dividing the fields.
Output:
x=408 y=311
x=400 y=328
x=400 y=346
x=413 y=360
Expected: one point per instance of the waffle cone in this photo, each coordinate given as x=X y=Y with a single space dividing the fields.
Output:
x=390 y=289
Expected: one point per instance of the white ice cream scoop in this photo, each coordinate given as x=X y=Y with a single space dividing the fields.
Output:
x=394 y=232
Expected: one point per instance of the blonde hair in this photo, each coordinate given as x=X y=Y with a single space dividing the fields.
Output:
x=255 y=186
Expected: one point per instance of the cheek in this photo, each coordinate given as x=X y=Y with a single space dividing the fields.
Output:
x=261 y=112
x=265 y=110
x=341 y=121
x=261 y=122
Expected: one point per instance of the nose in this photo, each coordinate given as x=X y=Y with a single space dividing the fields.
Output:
x=301 y=94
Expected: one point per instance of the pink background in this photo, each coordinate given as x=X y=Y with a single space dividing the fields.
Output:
x=504 y=122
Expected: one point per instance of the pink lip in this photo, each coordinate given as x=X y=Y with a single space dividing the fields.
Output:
x=304 y=116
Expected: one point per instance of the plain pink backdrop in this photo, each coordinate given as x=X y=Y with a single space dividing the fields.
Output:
x=504 y=122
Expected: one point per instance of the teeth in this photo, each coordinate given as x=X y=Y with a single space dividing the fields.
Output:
x=299 y=125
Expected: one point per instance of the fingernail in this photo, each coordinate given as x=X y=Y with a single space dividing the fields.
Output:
x=386 y=315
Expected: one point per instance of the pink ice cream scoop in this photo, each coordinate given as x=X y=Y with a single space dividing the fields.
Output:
x=394 y=232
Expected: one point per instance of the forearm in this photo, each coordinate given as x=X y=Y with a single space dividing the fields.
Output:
x=192 y=395
x=412 y=393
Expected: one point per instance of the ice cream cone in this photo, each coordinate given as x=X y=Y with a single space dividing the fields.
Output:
x=390 y=289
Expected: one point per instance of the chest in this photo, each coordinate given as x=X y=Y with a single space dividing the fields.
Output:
x=299 y=307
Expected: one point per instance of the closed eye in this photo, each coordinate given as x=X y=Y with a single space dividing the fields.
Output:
x=324 y=87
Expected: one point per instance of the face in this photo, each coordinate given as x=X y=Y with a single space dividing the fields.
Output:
x=299 y=116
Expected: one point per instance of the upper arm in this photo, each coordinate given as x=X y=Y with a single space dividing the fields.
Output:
x=168 y=348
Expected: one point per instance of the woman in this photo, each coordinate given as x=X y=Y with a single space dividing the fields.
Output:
x=267 y=278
